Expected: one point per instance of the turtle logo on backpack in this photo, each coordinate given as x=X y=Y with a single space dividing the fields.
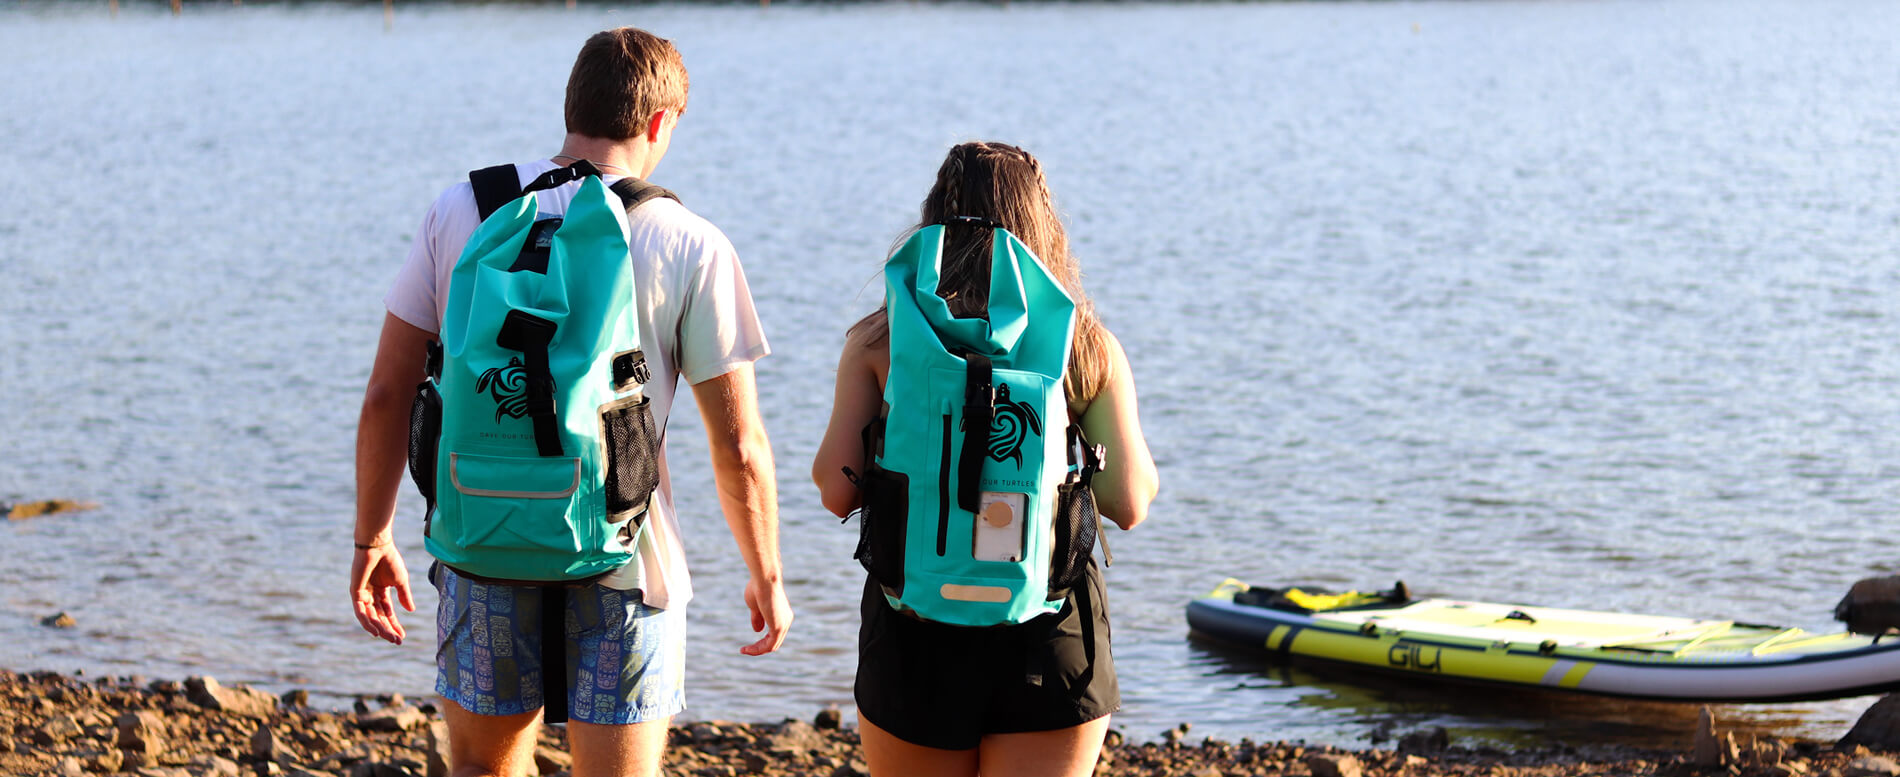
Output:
x=509 y=386
x=1010 y=424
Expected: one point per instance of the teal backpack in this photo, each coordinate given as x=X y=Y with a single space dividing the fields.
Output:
x=976 y=508
x=531 y=438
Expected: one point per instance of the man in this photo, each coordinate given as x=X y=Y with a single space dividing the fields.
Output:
x=697 y=321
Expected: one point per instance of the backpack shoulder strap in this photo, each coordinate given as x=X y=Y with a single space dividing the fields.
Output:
x=494 y=187
x=635 y=192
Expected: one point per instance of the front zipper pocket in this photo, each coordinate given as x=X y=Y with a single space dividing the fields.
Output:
x=946 y=469
x=517 y=502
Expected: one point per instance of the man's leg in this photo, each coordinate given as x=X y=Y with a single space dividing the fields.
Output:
x=488 y=674
x=490 y=745
x=627 y=670
x=630 y=750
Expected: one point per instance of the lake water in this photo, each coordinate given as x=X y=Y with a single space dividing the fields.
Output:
x=1584 y=304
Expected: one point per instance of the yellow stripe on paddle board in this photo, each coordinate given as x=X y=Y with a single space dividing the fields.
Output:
x=1566 y=673
x=1274 y=637
x=1407 y=655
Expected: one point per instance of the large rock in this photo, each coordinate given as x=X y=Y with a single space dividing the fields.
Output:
x=1330 y=765
x=214 y=766
x=548 y=760
x=242 y=700
x=795 y=736
x=437 y=743
x=59 y=728
x=1872 y=606
x=264 y=744
x=1426 y=741
x=400 y=718
x=1872 y=766
x=107 y=762
x=142 y=733
x=1708 y=749
x=1878 y=727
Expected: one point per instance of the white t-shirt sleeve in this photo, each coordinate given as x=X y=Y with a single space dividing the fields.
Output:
x=412 y=297
x=719 y=327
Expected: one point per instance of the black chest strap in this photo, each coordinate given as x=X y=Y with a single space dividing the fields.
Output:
x=494 y=187
x=499 y=185
x=635 y=192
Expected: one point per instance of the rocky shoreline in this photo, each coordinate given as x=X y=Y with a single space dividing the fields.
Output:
x=54 y=724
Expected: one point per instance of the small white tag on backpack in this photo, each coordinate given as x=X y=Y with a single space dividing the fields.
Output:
x=999 y=527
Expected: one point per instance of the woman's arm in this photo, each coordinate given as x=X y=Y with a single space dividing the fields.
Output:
x=854 y=404
x=1127 y=482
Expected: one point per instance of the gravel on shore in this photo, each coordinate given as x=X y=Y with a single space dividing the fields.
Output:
x=54 y=724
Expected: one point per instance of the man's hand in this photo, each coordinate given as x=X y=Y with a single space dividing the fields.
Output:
x=372 y=573
x=771 y=613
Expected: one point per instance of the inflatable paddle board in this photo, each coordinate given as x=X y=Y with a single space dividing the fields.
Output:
x=1610 y=654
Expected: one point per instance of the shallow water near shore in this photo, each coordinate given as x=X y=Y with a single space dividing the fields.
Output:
x=1575 y=304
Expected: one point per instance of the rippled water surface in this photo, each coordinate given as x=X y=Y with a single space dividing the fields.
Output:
x=1579 y=304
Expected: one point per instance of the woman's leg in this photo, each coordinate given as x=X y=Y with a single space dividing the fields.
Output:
x=889 y=756
x=1064 y=752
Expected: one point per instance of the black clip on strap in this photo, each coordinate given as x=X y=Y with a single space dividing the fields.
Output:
x=1092 y=455
x=531 y=334
x=979 y=408
x=562 y=175
x=432 y=361
x=970 y=221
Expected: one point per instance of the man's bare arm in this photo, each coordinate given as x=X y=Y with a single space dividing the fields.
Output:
x=748 y=494
x=382 y=450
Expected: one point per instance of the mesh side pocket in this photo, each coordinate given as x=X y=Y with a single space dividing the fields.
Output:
x=882 y=519
x=425 y=434
x=633 y=466
x=1076 y=524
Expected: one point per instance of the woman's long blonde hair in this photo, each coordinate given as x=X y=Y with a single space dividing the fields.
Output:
x=1004 y=184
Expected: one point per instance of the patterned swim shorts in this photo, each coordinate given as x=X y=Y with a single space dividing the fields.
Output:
x=625 y=660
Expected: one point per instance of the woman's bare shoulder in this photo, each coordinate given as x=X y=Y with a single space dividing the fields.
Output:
x=869 y=343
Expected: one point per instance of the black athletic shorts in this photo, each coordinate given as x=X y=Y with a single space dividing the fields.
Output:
x=944 y=686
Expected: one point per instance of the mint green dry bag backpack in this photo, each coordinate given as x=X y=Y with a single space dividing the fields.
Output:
x=531 y=439
x=975 y=508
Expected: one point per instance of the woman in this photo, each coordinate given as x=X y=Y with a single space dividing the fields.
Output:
x=1028 y=699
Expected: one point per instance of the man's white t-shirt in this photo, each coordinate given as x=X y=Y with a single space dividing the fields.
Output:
x=696 y=321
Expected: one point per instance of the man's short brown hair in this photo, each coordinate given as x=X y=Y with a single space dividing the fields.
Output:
x=620 y=79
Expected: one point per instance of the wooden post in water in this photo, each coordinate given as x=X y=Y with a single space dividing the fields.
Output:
x=114 y=5
x=389 y=15
x=178 y=7
x=570 y=5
